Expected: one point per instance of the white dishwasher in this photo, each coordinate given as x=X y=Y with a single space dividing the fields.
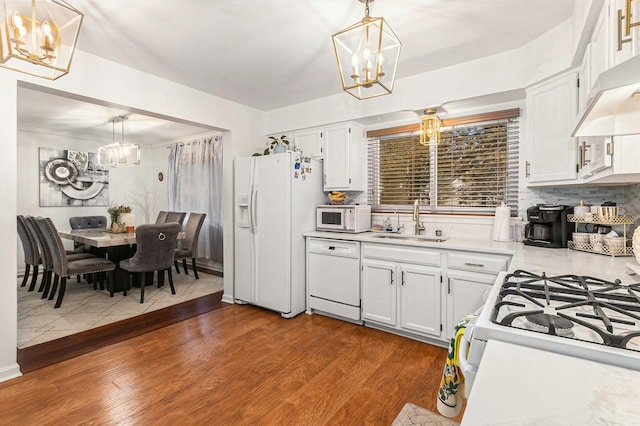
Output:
x=333 y=277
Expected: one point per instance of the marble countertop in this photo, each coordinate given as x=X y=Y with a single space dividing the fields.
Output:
x=534 y=259
x=553 y=389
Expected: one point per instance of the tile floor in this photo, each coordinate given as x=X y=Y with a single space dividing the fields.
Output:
x=83 y=308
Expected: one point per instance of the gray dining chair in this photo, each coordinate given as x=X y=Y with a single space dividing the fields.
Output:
x=31 y=253
x=64 y=268
x=188 y=247
x=86 y=222
x=47 y=257
x=156 y=244
x=162 y=216
x=166 y=217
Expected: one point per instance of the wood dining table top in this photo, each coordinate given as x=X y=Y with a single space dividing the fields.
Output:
x=101 y=238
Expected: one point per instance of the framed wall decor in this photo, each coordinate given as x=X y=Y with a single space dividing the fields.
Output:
x=72 y=178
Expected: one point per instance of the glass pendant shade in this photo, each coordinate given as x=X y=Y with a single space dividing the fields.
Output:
x=119 y=154
x=429 y=128
x=38 y=37
x=367 y=54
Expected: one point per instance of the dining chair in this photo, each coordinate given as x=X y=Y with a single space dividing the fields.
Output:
x=31 y=253
x=188 y=247
x=176 y=217
x=64 y=268
x=156 y=244
x=86 y=222
x=162 y=216
x=47 y=258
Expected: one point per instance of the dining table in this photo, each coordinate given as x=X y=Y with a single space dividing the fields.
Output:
x=115 y=246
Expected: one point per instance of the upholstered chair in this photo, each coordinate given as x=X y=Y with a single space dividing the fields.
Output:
x=156 y=244
x=189 y=245
x=31 y=254
x=162 y=216
x=176 y=217
x=47 y=257
x=86 y=222
x=64 y=268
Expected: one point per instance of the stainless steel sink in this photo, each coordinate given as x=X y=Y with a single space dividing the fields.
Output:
x=411 y=237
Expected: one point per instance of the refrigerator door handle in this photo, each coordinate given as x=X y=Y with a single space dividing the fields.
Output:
x=253 y=209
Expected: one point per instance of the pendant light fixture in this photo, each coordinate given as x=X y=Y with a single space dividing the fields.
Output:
x=367 y=53
x=38 y=37
x=429 y=128
x=119 y=153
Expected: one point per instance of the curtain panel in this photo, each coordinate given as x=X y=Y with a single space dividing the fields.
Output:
x=195 y=185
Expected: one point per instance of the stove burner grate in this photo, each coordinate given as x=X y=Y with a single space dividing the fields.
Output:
x=571 y=306
x=550 y=324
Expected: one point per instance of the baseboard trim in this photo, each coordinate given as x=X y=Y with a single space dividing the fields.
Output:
x=10 y=372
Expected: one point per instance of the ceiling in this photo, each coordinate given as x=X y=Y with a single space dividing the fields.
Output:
x=268 y=54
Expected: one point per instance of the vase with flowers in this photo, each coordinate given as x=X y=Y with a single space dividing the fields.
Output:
x=121 y=217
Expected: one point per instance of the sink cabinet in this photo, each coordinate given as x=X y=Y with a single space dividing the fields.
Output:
x=398 y=295
x=416 y=292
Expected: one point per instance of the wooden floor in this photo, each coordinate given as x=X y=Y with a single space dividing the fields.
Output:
x=235 y=365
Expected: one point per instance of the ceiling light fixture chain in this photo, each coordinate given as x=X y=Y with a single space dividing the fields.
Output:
x=367 y=54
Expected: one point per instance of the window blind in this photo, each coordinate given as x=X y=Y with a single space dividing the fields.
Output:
x=473 y=168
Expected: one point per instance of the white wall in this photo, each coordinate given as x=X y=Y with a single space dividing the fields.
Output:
x=96 y=78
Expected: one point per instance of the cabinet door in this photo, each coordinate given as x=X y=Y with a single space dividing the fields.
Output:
x=379 y=291
x=464 y=294
x=551 y=114
x=623 y=46
x=310 y=142
x=601 y=43
x=420 y=299
x=336 y=158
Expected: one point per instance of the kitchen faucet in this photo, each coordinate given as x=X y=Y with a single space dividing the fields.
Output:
x=416 y=217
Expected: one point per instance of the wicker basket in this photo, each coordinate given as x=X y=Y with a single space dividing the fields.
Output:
x=636 y=243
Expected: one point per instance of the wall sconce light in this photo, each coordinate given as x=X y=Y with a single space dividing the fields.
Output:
x=367 y=53
x=38 y=37
x=429 y=128
x=119 y=154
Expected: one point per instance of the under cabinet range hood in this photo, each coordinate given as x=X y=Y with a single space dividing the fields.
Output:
x=615 y=107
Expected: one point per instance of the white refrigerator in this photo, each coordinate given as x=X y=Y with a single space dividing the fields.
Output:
x=275 y=199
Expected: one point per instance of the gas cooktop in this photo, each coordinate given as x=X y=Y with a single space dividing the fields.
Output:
x=571 y=306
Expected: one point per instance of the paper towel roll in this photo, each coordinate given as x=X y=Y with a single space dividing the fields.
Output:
x=501 y=224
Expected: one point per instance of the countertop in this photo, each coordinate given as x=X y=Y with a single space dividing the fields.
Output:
x=534 y=259
x=553 y=389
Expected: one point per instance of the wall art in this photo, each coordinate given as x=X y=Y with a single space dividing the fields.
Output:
x=72 y=178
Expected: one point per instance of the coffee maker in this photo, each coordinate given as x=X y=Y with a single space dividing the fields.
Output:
x=547 y=226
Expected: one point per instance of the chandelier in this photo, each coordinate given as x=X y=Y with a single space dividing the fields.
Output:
x=38 y=37
x=119 y=154
x=429 y=128
x=367 y=53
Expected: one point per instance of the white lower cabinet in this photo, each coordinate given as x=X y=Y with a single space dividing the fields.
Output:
x=399 y=295
x=468 y=276
x=417 y=292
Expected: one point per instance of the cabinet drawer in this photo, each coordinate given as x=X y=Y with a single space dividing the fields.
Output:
x=402 y=254
x=334 y=247
x=478 y=262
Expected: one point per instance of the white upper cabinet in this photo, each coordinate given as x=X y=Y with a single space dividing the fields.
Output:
x=344 y=157
x=624 y=46
x=551 y=113
x=309 y=141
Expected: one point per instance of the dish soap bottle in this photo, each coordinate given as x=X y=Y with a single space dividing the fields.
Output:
x=387 y=225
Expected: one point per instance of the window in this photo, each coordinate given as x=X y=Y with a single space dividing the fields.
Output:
x=472 y=169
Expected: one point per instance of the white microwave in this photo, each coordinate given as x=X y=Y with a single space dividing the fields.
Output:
x=343 y=218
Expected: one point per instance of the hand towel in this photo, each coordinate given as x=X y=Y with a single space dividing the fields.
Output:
x=449 y=403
